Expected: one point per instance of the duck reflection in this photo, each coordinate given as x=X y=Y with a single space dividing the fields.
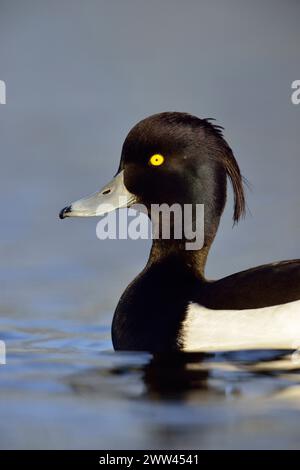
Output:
x=183 y=376
x=174 y=375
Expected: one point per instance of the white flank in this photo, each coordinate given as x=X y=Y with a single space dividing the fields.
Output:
x=276 y=327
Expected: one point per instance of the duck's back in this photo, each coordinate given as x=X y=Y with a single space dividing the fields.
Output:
x=264 y=286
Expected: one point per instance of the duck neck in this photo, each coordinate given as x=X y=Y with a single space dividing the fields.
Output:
x=192 y=260
x=191 y=257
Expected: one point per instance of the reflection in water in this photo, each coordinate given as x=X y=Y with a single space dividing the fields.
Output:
x=175 y=376
x=67 y=394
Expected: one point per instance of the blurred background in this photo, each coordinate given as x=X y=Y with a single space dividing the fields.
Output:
x=79 y=75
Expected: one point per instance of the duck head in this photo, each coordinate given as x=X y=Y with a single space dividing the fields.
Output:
x=172 y=158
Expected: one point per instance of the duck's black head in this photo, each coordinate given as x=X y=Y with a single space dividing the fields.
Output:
x=176 y=157
x=172 y=158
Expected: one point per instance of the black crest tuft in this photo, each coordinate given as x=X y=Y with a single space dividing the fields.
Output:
x=227 y=159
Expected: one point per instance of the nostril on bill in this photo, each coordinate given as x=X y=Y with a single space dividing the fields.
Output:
x=106 y=191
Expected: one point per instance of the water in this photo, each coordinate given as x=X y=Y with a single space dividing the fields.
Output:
x=65 y=388
x=78 y=77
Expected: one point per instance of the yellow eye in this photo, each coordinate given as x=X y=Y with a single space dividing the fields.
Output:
x=156 y=160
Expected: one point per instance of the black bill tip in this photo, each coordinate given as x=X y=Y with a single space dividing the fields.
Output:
x=64 y=212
